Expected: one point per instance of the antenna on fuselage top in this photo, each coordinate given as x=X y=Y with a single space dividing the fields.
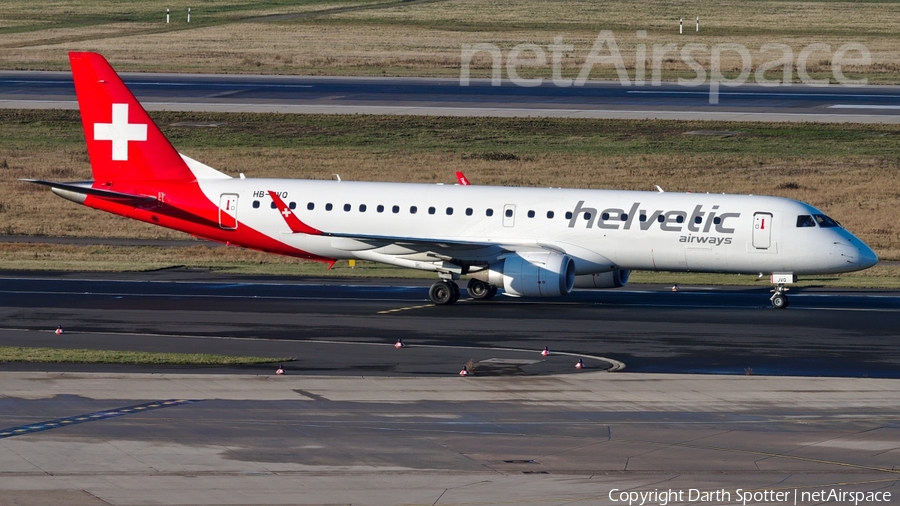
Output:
x=338 y=176
x=660 y=190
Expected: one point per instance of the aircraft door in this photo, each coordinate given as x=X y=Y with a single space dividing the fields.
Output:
x=762 y=230
x=509 y=215
x=228 y=211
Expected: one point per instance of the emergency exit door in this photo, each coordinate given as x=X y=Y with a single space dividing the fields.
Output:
x=762 y=230
x=228 y=211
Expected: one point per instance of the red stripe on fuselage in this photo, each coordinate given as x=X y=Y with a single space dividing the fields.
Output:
x=183 y=206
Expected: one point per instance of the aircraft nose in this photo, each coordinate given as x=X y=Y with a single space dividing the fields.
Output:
x=867 y=258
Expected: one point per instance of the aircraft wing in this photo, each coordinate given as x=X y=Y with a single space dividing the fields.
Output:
x=411 y=248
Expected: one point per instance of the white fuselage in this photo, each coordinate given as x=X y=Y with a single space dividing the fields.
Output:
x=601 y=230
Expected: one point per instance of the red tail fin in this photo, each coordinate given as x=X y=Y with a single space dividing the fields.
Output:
x=124 y=144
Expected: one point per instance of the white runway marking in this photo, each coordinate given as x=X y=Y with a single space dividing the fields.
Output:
x=865 y=106
x=759 y=94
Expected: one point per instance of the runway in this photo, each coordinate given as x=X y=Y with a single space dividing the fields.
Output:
x=348 y=327
x=433 y=96
x=356 y=421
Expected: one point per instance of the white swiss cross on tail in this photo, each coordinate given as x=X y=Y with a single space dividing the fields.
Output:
x=120 y=132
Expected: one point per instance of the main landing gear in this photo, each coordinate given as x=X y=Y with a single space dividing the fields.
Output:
x=779 y=298
x=446 y=291
x=479 y=290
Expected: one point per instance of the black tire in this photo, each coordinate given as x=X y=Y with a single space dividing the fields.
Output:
x=779 y=301
x=441 y=293
x=454 y=289
x=479 y=290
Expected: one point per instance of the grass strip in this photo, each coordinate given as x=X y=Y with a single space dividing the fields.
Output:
x=84 y=356
x=104 y=258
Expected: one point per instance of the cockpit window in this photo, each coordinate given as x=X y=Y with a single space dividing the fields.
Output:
x=805 y=220
x=825 y=221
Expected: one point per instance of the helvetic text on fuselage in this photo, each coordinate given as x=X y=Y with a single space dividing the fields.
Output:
x=700 y=221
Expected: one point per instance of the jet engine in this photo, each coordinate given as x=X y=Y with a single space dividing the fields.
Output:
x=532 y=274
x=609 y=279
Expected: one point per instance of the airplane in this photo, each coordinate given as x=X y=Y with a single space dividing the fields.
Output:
x=531 y=242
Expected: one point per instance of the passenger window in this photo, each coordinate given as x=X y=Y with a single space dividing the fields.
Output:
x=347 y=207
x=604 y=216
x=380 y=208
x=679 y=219
x=273 y=205
x=642 y=217
x=531 y=214
x=698 y=220
x=661 y=218
x=395 y=209
x=293 y=205
x=568 y=215
x=362 y=208
x=468 y=211
x=255 y=204
x=509 y=213
x=587 y=216
x=431 y=210
x=805 y=220
x=717 y=220
x=623 y=216
x=549 y=215
x=329 y=207
x=413 y=209
x=449 y=211
x=489 y=212
x=310 y=206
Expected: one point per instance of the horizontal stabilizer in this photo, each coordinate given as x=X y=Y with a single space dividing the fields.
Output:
x=85 y=188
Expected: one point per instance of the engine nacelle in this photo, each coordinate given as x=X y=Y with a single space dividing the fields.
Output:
x=538 y=274
x=610 y=279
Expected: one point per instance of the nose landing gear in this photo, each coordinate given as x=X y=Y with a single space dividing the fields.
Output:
x=779 y=298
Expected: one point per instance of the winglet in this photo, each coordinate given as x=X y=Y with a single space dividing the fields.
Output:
x=294 y=223
x=462 y=179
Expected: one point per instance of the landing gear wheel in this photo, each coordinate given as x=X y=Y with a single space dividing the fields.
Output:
x=454 y=288
x=779 y=298
x=479 y=290
x=443 y=293
x=780 y=301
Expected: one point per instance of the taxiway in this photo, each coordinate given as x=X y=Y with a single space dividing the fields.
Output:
x=447 y=97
